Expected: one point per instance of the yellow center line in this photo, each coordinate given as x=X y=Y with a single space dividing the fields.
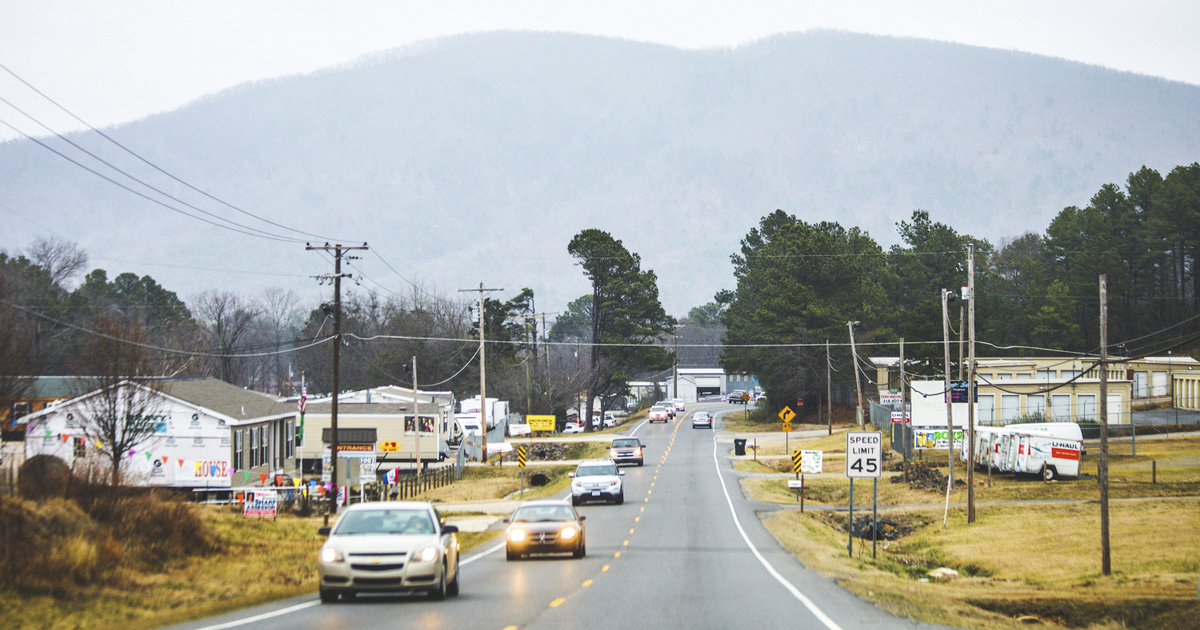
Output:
x=617 y=555
x=555 y=603
x=647 y=500
x=642 y=510
x=625 y=544
x=630 y=530
x=587 y=582
x=604 y=568
x=510 y=628
x=635 y=519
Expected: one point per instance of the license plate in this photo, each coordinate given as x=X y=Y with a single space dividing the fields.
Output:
x=595 y=493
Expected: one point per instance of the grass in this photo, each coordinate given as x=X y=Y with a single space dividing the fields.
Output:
x=1031 y=561
x=1050 y=571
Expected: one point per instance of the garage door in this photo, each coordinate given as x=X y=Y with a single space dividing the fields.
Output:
x=708 y=381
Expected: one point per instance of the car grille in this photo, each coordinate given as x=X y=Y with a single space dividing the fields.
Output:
x=379 y=581
x=377 y=567
x=544 y=538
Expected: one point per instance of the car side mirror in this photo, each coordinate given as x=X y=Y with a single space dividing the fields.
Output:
x=450 y=529
x=506 y=520
x=324 y=531
x=570 y=474
x=582 y=518
x=621 y=472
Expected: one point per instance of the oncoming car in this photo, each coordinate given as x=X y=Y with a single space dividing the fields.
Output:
x=387 y=547
x=544 y=527
x=626 y=450
x=597 y=479
x=702 y=419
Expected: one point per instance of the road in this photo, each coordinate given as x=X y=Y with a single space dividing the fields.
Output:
x=686 y=550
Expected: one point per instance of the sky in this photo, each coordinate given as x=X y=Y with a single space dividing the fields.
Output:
x=121 y=60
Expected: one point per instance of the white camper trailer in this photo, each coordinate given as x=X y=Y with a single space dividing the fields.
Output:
x=1049 y=449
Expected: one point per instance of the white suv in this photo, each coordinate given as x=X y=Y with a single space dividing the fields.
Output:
x=597 y=479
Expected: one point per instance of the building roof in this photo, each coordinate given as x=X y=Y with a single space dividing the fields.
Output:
x=59 y=387
x=226 y=399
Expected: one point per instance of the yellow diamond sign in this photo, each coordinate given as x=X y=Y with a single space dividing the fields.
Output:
x=786 y=414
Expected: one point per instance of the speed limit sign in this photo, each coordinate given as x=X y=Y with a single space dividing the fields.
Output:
x=864 y=454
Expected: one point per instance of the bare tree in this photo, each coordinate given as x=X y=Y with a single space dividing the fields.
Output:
x=16 y=343
x=277 y=325
x=226 y=322
x=60 y=257
x=120 y=401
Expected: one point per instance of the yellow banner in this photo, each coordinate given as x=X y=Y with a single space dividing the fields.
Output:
x=540 y=423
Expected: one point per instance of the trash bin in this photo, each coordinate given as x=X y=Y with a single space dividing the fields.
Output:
x=739 y=446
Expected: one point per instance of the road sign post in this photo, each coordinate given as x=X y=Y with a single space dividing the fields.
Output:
x=521 y=465
x=864 y=460
x=786 y=414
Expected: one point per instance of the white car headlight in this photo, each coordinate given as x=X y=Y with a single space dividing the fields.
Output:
x=329 y=554
x=516 y=535
x=428 y=554
x=568 y=533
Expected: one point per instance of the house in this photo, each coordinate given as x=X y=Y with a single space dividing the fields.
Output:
x=209 y=434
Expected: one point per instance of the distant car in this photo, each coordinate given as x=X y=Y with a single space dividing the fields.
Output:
x=702 y=419
x=388 y=546
x=679 y=404
x=658 y=413
x=597 y=479
x=760 y=395
x=573 y=427
x=610 y=420
x=544 y=527
x=626 y=450
x=735 y=397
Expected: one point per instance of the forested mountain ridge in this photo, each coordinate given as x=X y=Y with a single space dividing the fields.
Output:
x=479 y=156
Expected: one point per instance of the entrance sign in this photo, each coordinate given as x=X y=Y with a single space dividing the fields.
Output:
x=864 y=454
x=540 y=423
x=810 y=462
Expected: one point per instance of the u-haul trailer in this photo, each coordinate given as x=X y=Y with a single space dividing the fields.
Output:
x=1049 y=449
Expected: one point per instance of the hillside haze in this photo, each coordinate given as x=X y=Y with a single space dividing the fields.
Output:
x=477 y=158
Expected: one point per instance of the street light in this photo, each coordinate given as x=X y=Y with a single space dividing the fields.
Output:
x=947 y=297
x=857 y=386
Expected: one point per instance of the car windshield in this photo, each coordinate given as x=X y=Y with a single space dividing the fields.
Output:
x=596 y=470
x=539 y=513
x=384 y=522
x=629 y=442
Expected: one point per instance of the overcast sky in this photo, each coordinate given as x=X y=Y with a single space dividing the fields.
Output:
x=119 y=60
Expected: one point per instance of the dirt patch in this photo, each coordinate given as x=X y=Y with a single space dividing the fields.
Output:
x=1165 y=614
x=922 y=476
x=887 y=528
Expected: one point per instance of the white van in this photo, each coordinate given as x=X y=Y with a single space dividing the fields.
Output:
x=1049 y=449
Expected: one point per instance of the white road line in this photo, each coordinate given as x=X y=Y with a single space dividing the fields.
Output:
x=277 y=613
x=480 y=555
x=635 y=429
x=808 y=603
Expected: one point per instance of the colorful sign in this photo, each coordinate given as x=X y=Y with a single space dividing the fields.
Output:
x=541 y=423
x=811 y=462
x=261 y=503
x=925 y=438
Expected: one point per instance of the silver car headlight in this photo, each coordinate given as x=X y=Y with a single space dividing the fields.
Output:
x=330 y=554
x=568 y=533
x=428 y=554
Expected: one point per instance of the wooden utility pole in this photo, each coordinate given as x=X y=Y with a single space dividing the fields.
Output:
x=483 y=406
x=858 y=410
x=970 y=383
x=903 y=412
x=1102 y=472
x=338 y=252
x=829 y=385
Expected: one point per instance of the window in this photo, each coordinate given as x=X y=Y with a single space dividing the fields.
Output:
x=290 y=444
x=1024 y=376
x=253 y=448
x=1045 y=375
x=80 y=447
x=299 y=437
x=262 y=445
x=238 y=445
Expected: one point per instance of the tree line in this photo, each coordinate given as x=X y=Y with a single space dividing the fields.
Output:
x=800 y=284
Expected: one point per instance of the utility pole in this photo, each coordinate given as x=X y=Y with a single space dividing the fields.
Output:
x=960 y=341
x=675 y=366
x=483 y=410
x=1102 y=472
x=417 y=420
x=947 y=296
x=970 y=382
x=858 y=411
x=903 y=413
x=829 y=385
x=338 y=252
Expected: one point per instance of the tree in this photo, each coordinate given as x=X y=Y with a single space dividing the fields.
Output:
x=627 y=317
x=119 y=390
x=226 y=321
x=575 y=324
x=706 y=315
x=61 y=258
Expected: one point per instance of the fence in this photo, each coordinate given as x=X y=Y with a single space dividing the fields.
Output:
x=410 y=486
x=472 y=447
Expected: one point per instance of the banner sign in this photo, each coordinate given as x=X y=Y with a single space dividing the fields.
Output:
x=519 y=429
x=926 y=438
x=541 y=423
x=810 y=462
x=366 y=469
x=261 y=503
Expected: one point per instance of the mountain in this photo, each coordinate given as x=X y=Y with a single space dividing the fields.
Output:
x=477 y=157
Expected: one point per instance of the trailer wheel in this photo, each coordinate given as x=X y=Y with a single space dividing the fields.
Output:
x=1048 y=472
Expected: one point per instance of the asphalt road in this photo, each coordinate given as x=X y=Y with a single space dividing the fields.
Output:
x=686 y=550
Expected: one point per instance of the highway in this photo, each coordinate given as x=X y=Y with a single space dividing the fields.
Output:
x=686 y=550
